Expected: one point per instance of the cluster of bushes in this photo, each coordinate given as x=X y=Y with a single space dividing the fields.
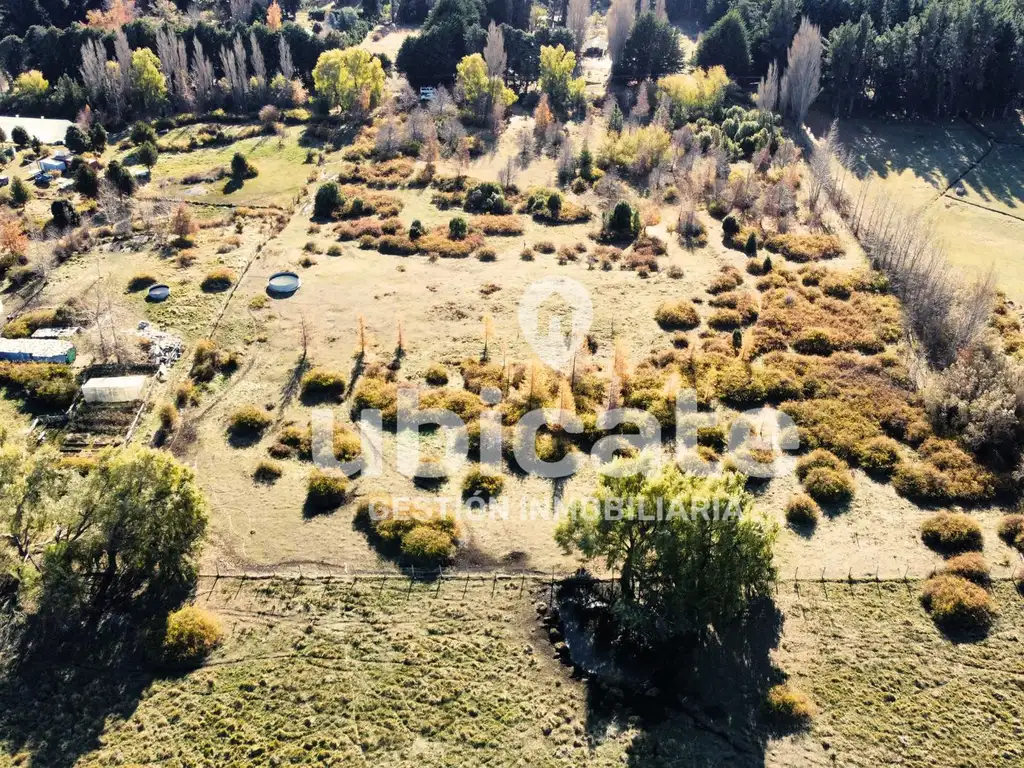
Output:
x=209 y=360
x=946 y=474
x=789 y=706
x=622 y=224
x=551 y=207
x=487 y=197
x=420 y=537
x=381 y=174
x=27 y=323
x=804 y=248
x=1011 y=530
x=41 y=385
x=499 y=225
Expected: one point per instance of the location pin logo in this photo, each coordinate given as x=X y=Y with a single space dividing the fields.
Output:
x=558 y=343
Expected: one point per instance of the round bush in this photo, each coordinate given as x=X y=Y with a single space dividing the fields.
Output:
x=730 y=226
x=141 y=282
x=815 y=341
x=879 y=454
x=249 y=420
x=457 y=228
x=952 y=532
x=321 y=383
x=801 y=509
x=328 y=199
x=326 y=489
x=971 y=566
x=428 y=545
x=818 y=458
x=956 y=603
x=436 y=375
x=191 y=635
x=725 y=320
x=485 y=485
x=677 y=315
x=218 y=280
x=829 y=486
x=267 y=472
x=789 y=705
x=487 y=254
x=1011 y=530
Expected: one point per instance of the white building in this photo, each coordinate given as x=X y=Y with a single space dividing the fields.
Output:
x=116 y=389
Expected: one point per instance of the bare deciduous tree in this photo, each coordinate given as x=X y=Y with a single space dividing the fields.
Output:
x=768 y=90
x=802 y=82
x=620 y=22
x=284 y=52
x=576 y=21
x=233 y=62
x=259 y=67
x=660 y=10
x=202 y=75
x=494 y=51
x=94 y=68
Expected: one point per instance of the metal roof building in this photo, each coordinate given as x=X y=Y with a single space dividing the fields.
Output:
x=47 y=130
x=37 y=351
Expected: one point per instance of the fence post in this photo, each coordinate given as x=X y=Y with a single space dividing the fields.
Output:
x=440 y=578
x=494 y=584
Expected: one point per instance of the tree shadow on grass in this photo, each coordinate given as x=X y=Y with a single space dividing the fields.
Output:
x=67 y=679
x=693 y=704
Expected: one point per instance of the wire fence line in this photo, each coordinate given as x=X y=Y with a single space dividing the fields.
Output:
x=326 y=573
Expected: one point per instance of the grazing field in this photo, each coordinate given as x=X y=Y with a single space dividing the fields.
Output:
x=921 y=165
x=460 y=673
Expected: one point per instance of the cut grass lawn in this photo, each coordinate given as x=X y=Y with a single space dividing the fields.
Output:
x=360 y=673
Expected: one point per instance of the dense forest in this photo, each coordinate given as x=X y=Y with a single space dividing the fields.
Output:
x=906 y=57
x=930 y=58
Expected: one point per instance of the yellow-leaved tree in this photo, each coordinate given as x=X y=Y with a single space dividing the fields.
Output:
x=478 y=91
x=351 y=79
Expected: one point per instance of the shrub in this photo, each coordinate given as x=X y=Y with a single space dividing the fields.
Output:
x=142 y=132
x=803 y=248
x=829 y=486
x=328 y=200
x=526 y=254
x=141 y=281
x=815 y=341
x=818 y=458
x=321 y=383
x=970 y=566
x=958 y=604
x=218 y=280
x=396 y=245
x=730 y=226
x=677 y=315
x=427 y=545
x=487 y=197
x=788 y=705
x=267 y=472
x=725 y=320
x=191 y=635
x=457 y=228
x=483 y=484
x=248 y=421
x=499 y=225
x=727 y=279
x=436 y=375
x=545 y=246
x=487 y=255
x=951 y=532
x=801 y=509
x=416 y=230
x=241 y=168
x=1011 y=530
x=623 y=223
x=326 y=489
x=44 y=385
x=167 y=415
x=879 y=454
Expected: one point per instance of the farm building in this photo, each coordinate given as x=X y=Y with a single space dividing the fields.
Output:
x=36 y=351
x=47 y=130
x=48 y=164
x=116 y=389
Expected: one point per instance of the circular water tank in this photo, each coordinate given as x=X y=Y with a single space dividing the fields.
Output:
x=282 y=284
x=159 y=293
